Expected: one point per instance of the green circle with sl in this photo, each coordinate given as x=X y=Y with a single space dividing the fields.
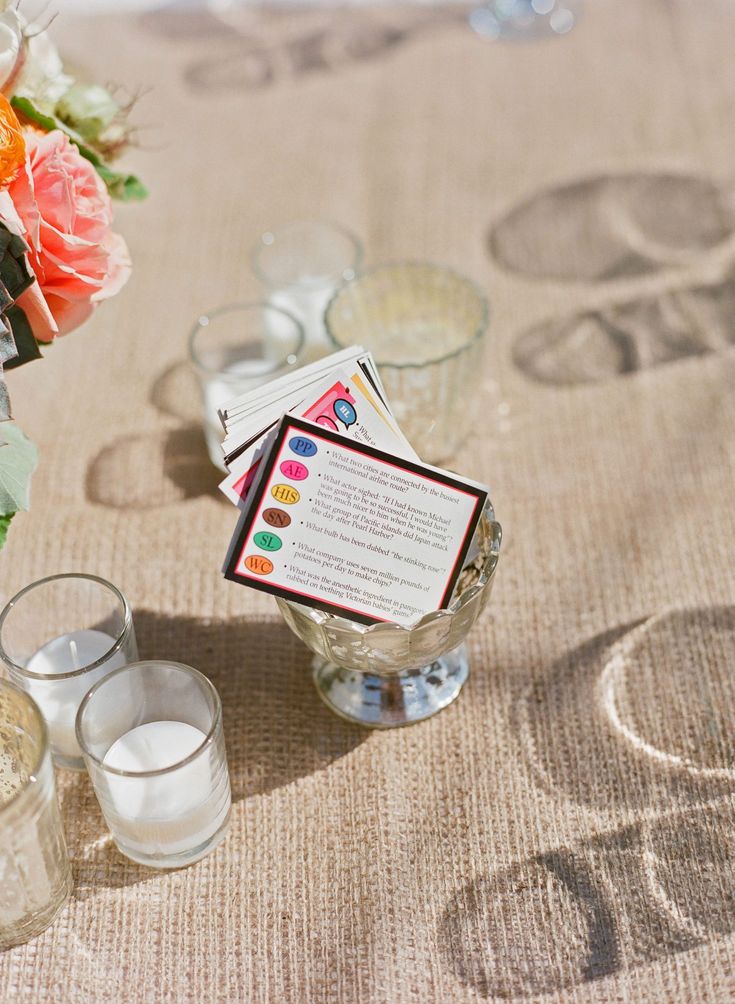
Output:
x=267 y=541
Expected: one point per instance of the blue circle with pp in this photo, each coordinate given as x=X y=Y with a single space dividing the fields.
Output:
x=304 y=447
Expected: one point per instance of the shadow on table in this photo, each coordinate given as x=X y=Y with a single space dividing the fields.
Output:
x=260 y=49
x=613 y=228
x=153 y=470
x=606 y=905
x=277 y=730
x=639 y=720
x=622 y=338
x=175 y=392
x=632 y=730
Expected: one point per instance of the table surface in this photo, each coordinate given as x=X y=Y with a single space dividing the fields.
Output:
x=564 y=832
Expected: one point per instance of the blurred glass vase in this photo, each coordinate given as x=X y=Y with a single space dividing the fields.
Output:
x=236 y=348
x=35 y=874
x=385 y=675
x=301 y=264
x=425 y=327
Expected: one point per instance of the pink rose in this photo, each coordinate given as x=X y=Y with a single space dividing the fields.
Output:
x=66 y=215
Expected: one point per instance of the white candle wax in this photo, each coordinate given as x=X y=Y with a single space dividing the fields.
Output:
x=168 y=813
x=59 y=700
x=307 y=302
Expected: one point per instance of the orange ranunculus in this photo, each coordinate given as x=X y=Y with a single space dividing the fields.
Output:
x=12 y=144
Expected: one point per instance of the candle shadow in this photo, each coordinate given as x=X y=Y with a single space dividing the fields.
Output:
x=619 y=723
x=154 y=470
x=637 y=723
x=258 y=49
x=613 y=226
x=620 y=338
x=175 y=392
x=614 y=902
x=277 y=730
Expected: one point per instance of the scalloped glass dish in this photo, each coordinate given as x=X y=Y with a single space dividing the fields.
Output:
x=385 y=675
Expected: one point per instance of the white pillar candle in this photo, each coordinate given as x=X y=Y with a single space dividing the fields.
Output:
x=167 y=813
x=59 y=700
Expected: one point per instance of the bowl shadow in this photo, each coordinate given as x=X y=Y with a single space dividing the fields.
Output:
x=277 y=730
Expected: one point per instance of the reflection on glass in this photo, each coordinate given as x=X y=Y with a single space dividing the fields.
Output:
x=302 y=264
x=524 y=20
x=236 y=348
x=35 y=876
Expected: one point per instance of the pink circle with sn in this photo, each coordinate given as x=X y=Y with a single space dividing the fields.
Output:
x=294 y=470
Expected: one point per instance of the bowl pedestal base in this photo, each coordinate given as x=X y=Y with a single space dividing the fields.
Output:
x=390 y=700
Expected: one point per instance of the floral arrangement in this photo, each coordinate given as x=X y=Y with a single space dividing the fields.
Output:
x=59 y=257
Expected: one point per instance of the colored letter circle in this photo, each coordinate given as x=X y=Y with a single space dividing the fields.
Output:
x=344 y=411
x=285 y=493
x=258 y=564
x=268 y=541
x=304 y=447
x=276 y=517
x=294 y=470
x=327 y=422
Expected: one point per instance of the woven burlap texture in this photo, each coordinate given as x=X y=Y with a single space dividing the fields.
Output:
x=564 y=832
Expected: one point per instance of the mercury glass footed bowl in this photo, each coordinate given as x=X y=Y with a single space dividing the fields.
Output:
x=385 y=675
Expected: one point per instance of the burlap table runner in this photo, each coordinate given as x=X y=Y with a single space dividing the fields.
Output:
x=565 y=831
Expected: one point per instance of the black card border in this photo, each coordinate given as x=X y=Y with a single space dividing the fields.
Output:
x=287 y=424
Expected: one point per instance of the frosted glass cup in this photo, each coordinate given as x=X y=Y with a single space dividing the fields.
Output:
x=35 y=876
x=236 y=348
x=58 y=637
x=425 y=327
x=154 y=748
x=301 y=264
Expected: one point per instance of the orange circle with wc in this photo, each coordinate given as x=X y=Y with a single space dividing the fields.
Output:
x=258 y=564
x=286 y=494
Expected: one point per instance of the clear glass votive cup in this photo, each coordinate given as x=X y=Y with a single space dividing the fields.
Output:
x=238 y=347
x=302 y=264
x=153 y=743
x=425 y=327
x=35 y=875
x=58 y=637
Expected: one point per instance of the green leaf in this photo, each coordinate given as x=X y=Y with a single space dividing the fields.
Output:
x=120 y=186
x=125 y=187
x=25 y=343
x=4 y=527
x=18 y=459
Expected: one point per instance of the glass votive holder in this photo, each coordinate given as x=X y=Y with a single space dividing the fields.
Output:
x=35 y=876
x=425 y=327
x=153 y=743
x=302 y=264
x=236 y=348
x=58 y=637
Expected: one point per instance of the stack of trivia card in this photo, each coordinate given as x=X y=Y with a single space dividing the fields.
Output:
x=337 y=511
